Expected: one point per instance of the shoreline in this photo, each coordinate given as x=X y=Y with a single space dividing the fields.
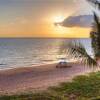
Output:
x=33 y=65
x=37 y=78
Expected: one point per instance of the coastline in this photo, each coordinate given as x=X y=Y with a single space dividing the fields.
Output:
x=34 y=65
x=36 y=78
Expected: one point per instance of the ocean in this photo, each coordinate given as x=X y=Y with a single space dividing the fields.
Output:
x=24 y=52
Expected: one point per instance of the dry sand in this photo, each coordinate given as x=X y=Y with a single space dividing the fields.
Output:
x=37 y=78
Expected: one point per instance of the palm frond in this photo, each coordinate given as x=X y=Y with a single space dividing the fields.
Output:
x=95 y=36
x=95 y=3
x=77 y=50
x=96 y=23
x=93 y=43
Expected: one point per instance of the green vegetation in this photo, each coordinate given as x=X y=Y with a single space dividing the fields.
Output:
x=38 y=96
x=81 y=88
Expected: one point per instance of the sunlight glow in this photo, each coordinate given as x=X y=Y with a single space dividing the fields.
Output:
x=58 y=19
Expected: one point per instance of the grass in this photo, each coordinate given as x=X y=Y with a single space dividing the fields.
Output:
x=38 y=96
x=81 y=88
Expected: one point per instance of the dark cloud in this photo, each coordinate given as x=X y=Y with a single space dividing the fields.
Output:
x=77 y=21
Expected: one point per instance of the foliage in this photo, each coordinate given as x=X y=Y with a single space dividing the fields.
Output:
x=95 y=33
x=37 y=96
x=76 y=49
x=83 y=87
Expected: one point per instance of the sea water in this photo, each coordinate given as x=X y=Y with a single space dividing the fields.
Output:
x=24 y=52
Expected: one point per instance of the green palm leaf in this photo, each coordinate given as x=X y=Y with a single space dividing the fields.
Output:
x=77 y=50
x=95 y=36
x=95 y=33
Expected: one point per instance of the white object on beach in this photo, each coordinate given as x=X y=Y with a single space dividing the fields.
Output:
x=62 y=64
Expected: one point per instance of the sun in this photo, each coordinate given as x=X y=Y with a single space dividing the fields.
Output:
x=57 y=29
x=58 y=19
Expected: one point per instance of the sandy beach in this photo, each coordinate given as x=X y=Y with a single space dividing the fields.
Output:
x=37 y=77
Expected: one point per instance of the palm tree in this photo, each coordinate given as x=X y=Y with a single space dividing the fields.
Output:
x=95 y=33
x=77 y=50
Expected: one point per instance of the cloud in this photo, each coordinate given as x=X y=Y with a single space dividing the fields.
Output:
x=84 y=21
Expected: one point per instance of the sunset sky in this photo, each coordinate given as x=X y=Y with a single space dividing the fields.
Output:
x=37 y=18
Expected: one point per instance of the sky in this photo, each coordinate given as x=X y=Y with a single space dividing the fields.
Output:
x=37 y=18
